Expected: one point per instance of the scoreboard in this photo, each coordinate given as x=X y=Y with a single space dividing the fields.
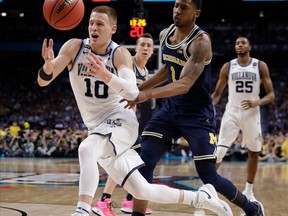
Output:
x=137 y=26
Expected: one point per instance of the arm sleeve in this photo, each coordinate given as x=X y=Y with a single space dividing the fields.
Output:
x=125 y=84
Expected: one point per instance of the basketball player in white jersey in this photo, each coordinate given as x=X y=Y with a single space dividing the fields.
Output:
x=143 y=51
x=243 y=75
x=101 y=74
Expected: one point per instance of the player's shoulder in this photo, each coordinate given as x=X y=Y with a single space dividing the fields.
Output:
x=165 y=31
x=72 y=44
x=225 y=67
x=74 y=41
x=122 y=51
x=122 y=56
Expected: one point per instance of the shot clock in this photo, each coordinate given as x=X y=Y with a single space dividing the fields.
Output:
x=137 y=27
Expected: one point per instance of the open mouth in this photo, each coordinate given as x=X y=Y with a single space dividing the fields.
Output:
x=95 y=36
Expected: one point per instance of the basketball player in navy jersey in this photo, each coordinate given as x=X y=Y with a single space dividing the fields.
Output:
x=101 y=74
x=187 y=108
x=243 y=75
x=143 y=51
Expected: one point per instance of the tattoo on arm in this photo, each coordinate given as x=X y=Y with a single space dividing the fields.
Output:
x=195 y=64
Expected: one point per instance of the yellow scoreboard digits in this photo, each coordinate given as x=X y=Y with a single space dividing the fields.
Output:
x=137 y=27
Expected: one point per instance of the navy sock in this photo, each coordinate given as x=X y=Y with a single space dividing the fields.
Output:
x=129 y=197
x=105 y=196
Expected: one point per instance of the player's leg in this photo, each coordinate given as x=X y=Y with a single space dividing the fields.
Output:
x=109 y=188
x=103 y=206
x=252 y=135
x=202 y=142
x=127 y=203
x=90 y=150
x=208 y=174
x=252 y=166
x=152 y=149
x=205 y=198
x=229 y=130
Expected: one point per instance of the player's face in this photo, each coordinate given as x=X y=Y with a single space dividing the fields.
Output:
x=100 y=28
x=242 y=46
x=184 y=13
x=145 y=47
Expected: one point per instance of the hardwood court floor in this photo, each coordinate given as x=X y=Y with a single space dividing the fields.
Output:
x=49 y=187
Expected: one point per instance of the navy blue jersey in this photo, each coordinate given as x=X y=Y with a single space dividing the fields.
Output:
x=141 y=75
x=190 y=115
x=175 y=57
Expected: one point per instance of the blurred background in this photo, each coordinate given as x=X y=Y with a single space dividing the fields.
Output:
x=23 y=28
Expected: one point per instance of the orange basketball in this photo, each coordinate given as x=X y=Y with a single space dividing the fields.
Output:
x=63 y=14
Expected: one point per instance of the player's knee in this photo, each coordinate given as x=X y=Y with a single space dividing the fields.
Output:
x=150 y=164
x=84 y=149
x=149 y=159
x=147 y=172
x=151 y=151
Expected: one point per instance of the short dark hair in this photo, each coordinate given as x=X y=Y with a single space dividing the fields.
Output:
x=145 y=35
x=198 y=3
x=241 y=36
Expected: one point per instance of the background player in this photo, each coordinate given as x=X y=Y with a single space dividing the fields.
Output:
x=243 y=76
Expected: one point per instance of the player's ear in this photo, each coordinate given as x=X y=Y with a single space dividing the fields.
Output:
x=114 y=28
x=197 y=13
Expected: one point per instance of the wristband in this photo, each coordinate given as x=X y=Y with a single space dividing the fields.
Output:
x=44 y=76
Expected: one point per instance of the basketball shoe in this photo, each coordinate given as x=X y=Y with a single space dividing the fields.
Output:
x=104 y=208
x=207 y=198
x=127 y=207
x=80 y=212
x=250 y=195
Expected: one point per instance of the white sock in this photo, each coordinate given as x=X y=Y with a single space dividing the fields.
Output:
x=83 y=207
x=189 y=197
x=248 y=187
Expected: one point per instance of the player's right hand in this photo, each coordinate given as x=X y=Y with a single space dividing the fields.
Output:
x=48 y=55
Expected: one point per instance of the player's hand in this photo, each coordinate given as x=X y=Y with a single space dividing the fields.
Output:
x=48 y=55
x=129 y=104
x=97 y=67
x=142 y=97
x=247 y=104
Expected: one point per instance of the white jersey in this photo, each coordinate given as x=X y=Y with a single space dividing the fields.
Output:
x=243 y=82
x=96 y=101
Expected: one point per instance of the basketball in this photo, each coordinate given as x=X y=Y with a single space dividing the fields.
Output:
x=63 y=14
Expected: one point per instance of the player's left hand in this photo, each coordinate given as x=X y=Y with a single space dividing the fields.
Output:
x=247 y=104
x=96 y=65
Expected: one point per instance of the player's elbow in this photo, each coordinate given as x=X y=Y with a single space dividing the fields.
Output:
x=185 y=89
